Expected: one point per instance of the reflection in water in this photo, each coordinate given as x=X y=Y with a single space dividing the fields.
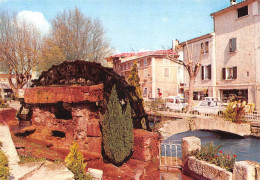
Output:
x=245 y=148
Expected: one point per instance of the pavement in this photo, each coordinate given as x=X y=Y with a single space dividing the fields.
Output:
x=30 y=171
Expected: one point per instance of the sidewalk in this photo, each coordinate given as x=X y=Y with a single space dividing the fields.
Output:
x=30 y=171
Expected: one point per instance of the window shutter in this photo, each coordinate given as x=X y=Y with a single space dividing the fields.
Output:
x=234 y=72
x=202 y=72
x=233 y=45
x=209 y=71
x=224 y=73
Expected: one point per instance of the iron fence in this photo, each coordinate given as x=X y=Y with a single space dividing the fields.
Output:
x=170 y=152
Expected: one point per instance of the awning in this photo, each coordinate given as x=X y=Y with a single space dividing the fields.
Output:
x=197 y=89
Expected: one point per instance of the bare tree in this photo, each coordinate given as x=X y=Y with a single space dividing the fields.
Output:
x=80 y=37
x=19 y=49
x=193 y=68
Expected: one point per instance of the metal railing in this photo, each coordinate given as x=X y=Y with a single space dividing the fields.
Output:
x=169 y=153
x=253 y=116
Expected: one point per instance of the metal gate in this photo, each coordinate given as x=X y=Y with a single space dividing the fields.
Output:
x=169 y=152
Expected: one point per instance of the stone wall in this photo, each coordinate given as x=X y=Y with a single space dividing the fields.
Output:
x=66 y=94
x=255 y=129
x=7 y=115
x=146 y=145
x=84 y=128
x=243 y=170
x=171 y=127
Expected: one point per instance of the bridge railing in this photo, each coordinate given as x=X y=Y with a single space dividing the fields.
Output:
x=169 y=152
x=252 y=116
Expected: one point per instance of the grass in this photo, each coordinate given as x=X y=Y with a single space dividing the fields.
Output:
x=28 y=159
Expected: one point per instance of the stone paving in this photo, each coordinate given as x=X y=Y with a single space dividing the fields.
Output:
x=30 y=171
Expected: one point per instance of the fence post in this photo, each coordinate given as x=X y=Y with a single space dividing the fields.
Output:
x=189 y=144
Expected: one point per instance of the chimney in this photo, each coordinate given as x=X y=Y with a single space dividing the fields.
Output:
x=175 y=42
x=233 y=2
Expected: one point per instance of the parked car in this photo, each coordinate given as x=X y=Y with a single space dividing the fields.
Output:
x=175 y=103
x=209 y=107
x=211 y=99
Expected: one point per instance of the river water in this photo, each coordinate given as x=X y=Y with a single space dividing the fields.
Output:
x=245 y=148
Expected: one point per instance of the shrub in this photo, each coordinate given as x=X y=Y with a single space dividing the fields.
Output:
x=117 y=131
x=75 y=162
x=134 y=80
x=235 y=111
x=4 y=169
x=211 y=153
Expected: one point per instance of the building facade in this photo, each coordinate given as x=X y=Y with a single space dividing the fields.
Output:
x=159 y=77
x=237 y=34
x=231 y=55
x=205 y=83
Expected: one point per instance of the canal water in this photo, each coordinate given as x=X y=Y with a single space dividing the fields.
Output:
x=245 y=148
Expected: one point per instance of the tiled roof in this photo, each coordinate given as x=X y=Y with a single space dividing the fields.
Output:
x=140 y=54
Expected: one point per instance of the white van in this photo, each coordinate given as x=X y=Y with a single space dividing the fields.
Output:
x=175 y=103
x=211 y=99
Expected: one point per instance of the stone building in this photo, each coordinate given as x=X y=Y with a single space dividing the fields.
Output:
x=231 y=58
x=205 y=84
x=237 y=34
x=159 y=77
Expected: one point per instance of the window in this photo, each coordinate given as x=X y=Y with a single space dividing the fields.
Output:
x=166 y=72
x=243 y=11
x=126 y=66
x=205 y=47
x=131 y=64
x=145 y=62
x=203 y=103
x=145 y=92
x=233 y=45
x=206 y=72
x=166 y=61
x=138 y=63
x=145 y=73
x=229 y=73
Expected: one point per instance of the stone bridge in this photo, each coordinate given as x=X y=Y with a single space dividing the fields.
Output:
x=171 y=126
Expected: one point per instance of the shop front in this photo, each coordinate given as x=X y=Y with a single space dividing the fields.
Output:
x=198 y=94
x=235 y=94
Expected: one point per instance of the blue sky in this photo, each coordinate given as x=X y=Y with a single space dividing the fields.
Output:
x=131 y=25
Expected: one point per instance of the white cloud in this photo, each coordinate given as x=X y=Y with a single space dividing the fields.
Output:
x=165 y=19
x=3 y=1
x=36 y=18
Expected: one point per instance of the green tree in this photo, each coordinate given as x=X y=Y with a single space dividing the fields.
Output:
x=134 y=80
x=128 y=131
x=50 y=54
x=4 y=169
x=117 y=130
x=75 y=162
